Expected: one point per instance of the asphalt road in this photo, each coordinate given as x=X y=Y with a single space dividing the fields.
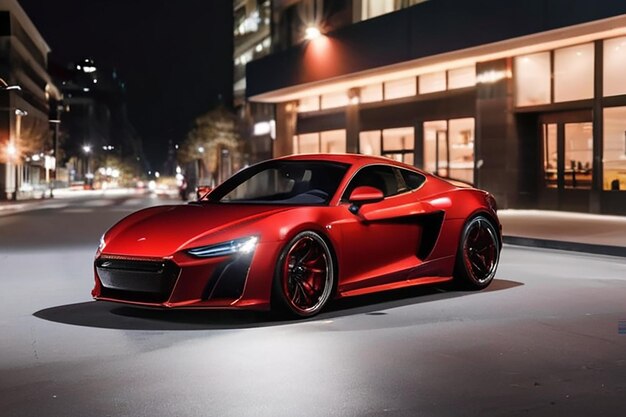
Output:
x=543 y=340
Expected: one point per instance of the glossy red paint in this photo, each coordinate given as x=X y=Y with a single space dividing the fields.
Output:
x=409 y=238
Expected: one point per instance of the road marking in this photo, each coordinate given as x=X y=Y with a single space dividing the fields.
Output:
x=98 y=203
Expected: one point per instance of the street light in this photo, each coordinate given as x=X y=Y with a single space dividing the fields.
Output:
x=87 y=175
x=13 y=147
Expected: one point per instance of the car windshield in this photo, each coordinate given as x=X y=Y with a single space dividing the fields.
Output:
x=282 y=182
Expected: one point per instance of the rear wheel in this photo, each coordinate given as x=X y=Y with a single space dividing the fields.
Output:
x=305 y=275
x=478 y=254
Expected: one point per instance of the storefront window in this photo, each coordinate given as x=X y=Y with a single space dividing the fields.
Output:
x=429 y=83
x=333 y=100
x=308 y=143
x=399 y=144
x=614 y=158
x=573 y=73
x=369 y=142
x=400 y=88
x=309 y=104
x=371 y=93
x=461 y=161
x=449 y=148
x=550 y=155
x=333 y=141
x=614 y=66
x=532 y=79
x=462 y=77
x=435 y=147
x=578 y=155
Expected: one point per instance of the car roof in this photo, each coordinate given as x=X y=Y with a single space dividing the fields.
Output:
x=357 y=160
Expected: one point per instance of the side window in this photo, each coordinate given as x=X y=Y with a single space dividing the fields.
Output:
x=377 y=176
x=413 y=180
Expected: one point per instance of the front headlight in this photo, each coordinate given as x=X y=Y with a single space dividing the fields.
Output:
x=243 y=246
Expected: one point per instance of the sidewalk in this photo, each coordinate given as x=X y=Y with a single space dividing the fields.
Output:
x=581 y=232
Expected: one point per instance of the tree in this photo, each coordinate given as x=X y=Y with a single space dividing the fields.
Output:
x=214 y=134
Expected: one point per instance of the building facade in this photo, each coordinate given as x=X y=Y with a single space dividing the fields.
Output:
x=27 y=144
x=524 y=99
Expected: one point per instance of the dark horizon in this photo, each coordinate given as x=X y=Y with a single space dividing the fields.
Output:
x=175 y=59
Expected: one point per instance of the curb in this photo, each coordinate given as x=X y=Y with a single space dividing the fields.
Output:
x=568 y=246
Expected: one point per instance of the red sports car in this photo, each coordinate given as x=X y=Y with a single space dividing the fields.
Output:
x=293 y=233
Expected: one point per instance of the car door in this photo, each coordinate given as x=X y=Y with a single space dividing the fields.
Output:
x=380 y=241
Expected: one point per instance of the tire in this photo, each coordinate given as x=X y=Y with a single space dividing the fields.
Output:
x=478 y=254
x=304 y=279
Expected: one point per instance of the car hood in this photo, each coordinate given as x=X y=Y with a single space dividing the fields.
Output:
x=162 y=231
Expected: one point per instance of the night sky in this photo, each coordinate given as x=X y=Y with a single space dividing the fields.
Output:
x=174 y=56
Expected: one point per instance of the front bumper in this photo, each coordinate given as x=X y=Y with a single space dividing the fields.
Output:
x=181 y=281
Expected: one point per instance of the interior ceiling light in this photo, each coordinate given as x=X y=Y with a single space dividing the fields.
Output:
x=312 y=33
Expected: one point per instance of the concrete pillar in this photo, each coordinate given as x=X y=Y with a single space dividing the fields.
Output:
x=286 y=118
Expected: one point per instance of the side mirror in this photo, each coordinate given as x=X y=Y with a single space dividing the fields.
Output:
x=202 y=190
x=364 y=195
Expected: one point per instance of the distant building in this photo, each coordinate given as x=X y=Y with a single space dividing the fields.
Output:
x=95 y=121
x=27 y=147
x=526 y=99
x=252 y=40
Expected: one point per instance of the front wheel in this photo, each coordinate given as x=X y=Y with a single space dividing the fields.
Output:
x=478 y=254
x=305 y=275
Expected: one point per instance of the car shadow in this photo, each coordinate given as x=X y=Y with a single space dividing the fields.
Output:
x=116 y=316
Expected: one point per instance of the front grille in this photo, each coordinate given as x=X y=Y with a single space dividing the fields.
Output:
x=136 y=280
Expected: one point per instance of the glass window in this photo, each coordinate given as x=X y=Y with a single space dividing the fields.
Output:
x=309 y=143
x=381 y=177
x=398 y=139
x=614 y=66
x=333 y=100
x=333 y=141
x=435 y=147
x=532 y=79
x=413 y=180
x=400 y=88
x=573 y=73
x=309 y=104
x=429 y=83
x=461 y=160
x=550 y=155
x=373 y=8
x=398 y=144
x=578 y=155
x=369 y=142
x=614 y=158
x=371 y=93
x=282 y=182
x=462 y=77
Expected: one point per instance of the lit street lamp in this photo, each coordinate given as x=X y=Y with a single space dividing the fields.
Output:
x=87 y=176
x=13 y=148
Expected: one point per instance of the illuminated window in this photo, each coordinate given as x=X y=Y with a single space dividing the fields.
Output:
x=462 y=77
x=308 y=143
x=532 y=79
x=573 y=73
x=333 y=100
x=429 y=83
x=373 y=8
x=614 y=66
x=369 y=142
x=309 y=104
x=400 y=88
x=371 y=93
x=614 y=158
x=449 y=148
x=333 y=141
x=399 y=144
x=550 y=155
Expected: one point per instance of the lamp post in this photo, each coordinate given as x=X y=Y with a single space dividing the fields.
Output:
x=87 y=174
x=18 y=128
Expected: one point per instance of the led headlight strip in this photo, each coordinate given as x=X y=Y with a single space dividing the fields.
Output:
x=242 y=246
